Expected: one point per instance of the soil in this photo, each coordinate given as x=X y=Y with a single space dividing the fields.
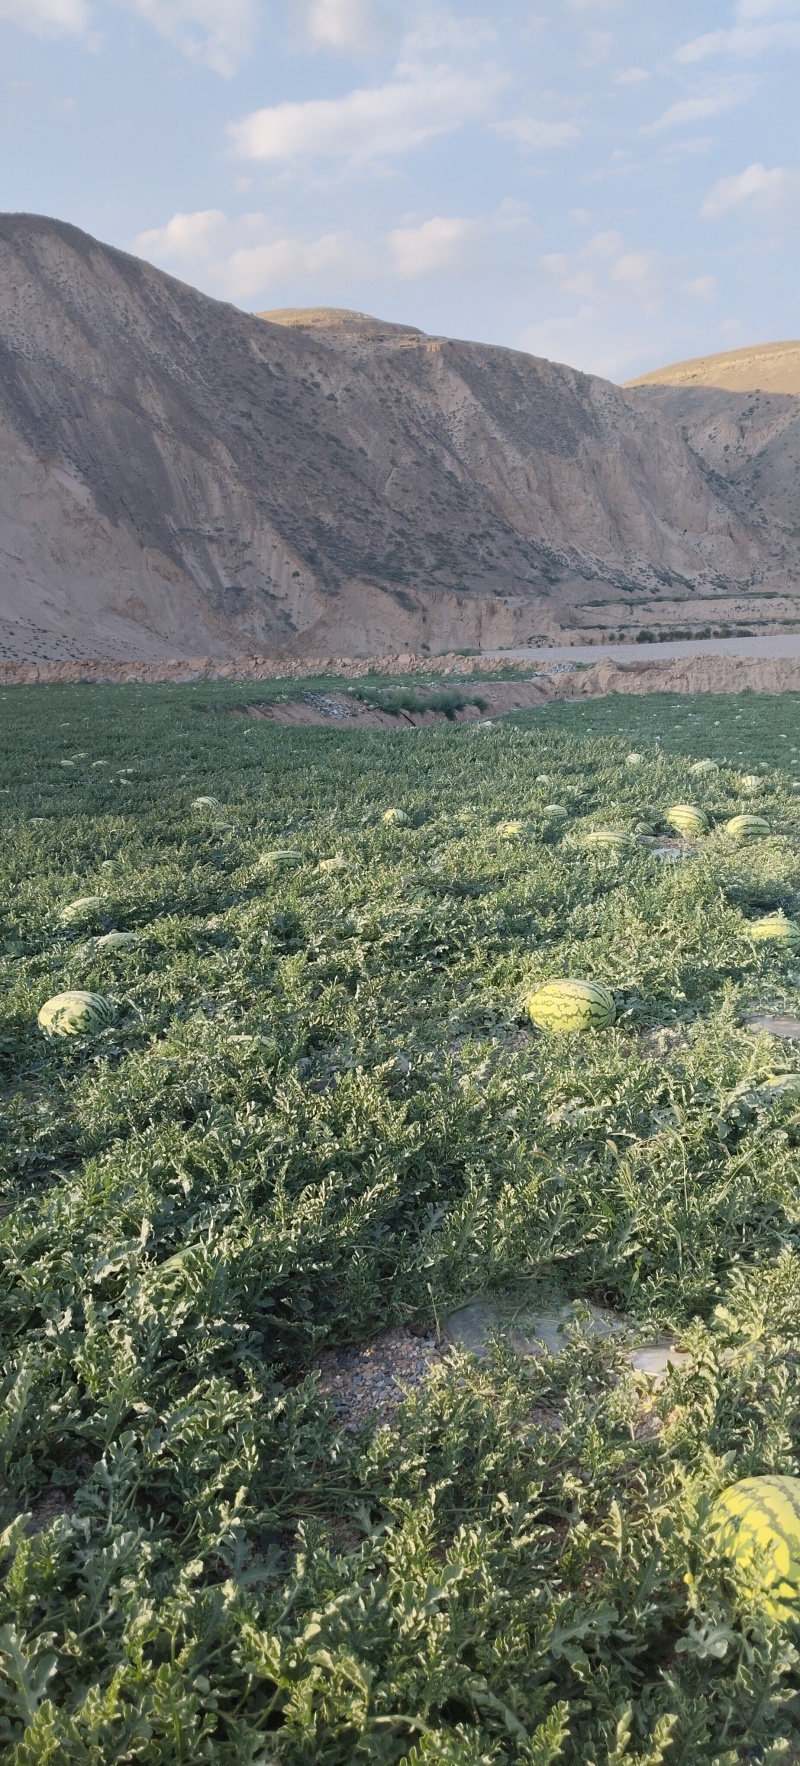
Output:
x=691 y=673
x=368 y=1384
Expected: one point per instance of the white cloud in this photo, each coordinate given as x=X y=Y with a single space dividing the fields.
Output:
x=633 y=76
x=356 y=25
x=455 y=245
x=416 y=105
x=759 y=25
x=243 y=257
x=219 y=36
x=442 y=245
x=47 y=18
x=536 y=133
x=441 y=30
x=766 y=191
x=692 y=110
x=607 y=269
x=615 y=302
x=240 y=259
x=744 y=40
x=701 y=288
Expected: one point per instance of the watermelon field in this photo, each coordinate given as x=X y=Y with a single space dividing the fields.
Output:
x=306 y=1107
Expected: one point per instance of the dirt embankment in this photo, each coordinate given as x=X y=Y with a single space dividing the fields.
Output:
x=690 y=674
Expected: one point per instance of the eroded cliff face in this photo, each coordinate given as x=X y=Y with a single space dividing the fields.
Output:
x=740 y=412
x=179 y=477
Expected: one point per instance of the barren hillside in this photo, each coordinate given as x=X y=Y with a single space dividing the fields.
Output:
x=740 y=412
x=179 y=477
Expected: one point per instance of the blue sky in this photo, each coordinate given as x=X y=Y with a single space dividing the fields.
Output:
x=612 y=183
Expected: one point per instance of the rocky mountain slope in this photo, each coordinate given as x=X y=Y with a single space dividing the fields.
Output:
x=178 y=477
x=740 y=412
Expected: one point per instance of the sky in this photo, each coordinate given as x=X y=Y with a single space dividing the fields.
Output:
x=610 y=183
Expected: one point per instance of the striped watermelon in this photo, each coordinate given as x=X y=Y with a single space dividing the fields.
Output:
x=556 y=812
x=509 y=830
x=699 y=767
x=206 y=803
x=752 y=782
x=776 y=928
x=84 y=908
x=685 y=818
x=395 y=818
x=747 y=827
x=610 y=839
x=75 y=1014
x=571 y=1005
x=116 y=940
x=757 y=1523
x=281 y=858
x=634 y=759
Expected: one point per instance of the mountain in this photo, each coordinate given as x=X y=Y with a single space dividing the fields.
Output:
x=740 y=413
x=179 y=477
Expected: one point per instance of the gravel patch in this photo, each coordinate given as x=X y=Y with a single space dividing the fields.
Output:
x=369 y=1383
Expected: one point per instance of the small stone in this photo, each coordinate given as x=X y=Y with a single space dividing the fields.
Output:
x=783 y=1024
x=656 y=1359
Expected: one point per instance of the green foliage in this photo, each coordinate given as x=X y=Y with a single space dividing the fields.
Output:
x=321 y=1111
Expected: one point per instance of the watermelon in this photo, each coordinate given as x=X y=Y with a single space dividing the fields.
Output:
x=509 y=830
x=75 y=1014
x=757 y=1526
x=339 y=863
x=752 y=782
x=747 y=827
x=204 y=802
x=610 y=839
x=116 y=940
x=686 y=819
x=395 y=818
x=556 y=812
x=699 y=767
x=281 y=858
x=776 y=929
x=571 y=1005
x=780 y=1088
x=84 y=908
x=634 y=759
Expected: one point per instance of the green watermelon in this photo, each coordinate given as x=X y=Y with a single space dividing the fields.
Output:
x=610 y=839
x=509 y=830
x=699 y=767
x=116 y=940
x=757 y=1526
x=685 y=818
x=747 y=827
x=281 y=858
x=776 y=929
x=84 y=908
x=571 y=1005
x=556 y=812
x=75 y=1014
x=206 y=803
x=395 y=818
